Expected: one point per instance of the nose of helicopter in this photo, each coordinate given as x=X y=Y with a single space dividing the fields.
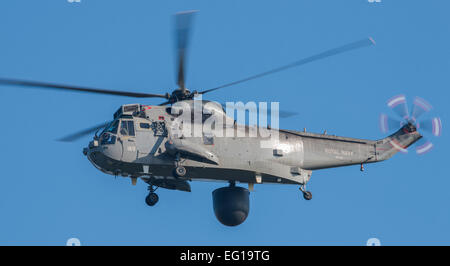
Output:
x=94 y=153
x=104 y=153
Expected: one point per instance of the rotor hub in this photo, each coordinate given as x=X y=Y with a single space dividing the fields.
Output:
x=410 y=127
x=181 y=95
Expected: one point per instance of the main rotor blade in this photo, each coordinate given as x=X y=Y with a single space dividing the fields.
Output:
x=43 y=85
x=342 y=49
x=183 y=22
x=83 y=133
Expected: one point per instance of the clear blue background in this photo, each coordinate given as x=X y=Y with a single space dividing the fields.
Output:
x=49 y=192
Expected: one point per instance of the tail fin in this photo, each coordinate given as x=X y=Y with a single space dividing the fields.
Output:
x=397 y=142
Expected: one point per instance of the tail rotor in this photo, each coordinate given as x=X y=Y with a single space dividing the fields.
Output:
x=420 y=107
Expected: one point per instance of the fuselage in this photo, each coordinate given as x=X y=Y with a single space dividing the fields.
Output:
x=145 y=141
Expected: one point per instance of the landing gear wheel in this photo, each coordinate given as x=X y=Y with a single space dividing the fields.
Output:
x=180 y=171
x=307 y=195
x=152 y=199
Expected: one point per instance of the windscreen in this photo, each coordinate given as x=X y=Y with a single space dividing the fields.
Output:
x=111 y=127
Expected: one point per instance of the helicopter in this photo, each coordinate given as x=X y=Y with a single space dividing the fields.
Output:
x=154 y=143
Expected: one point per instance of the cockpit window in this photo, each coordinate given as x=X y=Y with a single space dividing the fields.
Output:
x=127 y=128
x=112 y=128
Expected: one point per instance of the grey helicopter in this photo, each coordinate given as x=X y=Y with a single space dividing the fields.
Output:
x=148 y=142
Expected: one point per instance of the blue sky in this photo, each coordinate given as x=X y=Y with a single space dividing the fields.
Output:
x=49 y=192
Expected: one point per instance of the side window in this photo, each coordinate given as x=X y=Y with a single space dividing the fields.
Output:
x=127 y=128
x=144 y=125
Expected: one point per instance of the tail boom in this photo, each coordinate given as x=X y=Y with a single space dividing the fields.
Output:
x=322 y=152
